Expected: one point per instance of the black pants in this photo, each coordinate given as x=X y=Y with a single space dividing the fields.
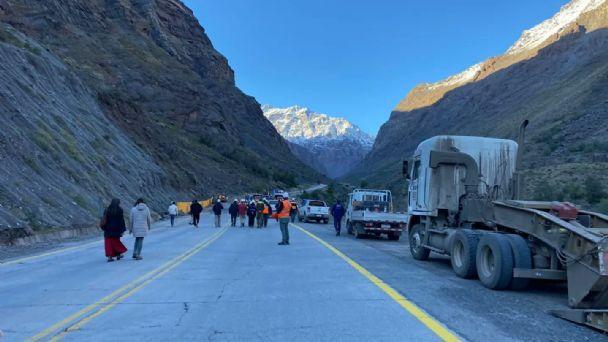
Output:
x=251 y=220
x=172 y=219
x=233 y=220
x=338 y=224
x=196 y=219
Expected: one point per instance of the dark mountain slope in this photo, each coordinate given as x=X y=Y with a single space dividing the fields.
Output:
x=145 y=70
x=563 y=91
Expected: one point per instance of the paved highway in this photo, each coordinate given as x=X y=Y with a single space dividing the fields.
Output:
x=236 y=284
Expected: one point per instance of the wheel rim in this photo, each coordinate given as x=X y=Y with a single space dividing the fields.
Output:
x=458 y=254
x=416 y=241
x=487 y=265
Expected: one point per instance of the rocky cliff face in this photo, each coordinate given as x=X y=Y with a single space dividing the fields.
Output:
x=121 y=98
x=332 y=146
x=555 y=76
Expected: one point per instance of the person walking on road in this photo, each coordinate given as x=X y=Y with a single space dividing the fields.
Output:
x=267 y=212
x=217 y=211
x=251 y=212
x=140 y=224
x=242 y=212
x=234 y=212
x=195 y=210
x=294 y=210
x=283 y=212
x=172 y=212
x=338 y=211
x=259 y=214
x=113 y=226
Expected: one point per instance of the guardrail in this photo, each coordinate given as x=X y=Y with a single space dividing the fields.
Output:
x=184 y=207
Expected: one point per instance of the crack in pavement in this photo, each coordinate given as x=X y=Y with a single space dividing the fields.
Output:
x=181 y=317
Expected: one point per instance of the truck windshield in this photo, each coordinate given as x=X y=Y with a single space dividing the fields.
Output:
x=316 y=204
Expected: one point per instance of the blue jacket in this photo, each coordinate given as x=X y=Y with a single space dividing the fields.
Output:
x=338 y=211
x=217 y=208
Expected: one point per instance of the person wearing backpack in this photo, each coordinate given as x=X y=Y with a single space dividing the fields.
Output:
x=113 y=226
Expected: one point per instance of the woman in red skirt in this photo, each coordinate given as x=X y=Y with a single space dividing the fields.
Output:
x=113 y=226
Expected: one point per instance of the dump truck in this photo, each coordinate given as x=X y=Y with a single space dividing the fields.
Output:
x=370 y=212
x=464 y=201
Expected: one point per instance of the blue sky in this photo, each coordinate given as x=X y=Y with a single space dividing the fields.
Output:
x=357 y=58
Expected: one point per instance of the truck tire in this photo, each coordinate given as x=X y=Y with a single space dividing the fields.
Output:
x=393 y=236
x=463 y=253
x=522 y=258
x=299 y=218
x=416 y=236
x=326 y=221
x=494 y=261
x=358 y=228
x=349 y=228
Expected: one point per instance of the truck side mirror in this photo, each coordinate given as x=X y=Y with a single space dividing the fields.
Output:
x=406 y=169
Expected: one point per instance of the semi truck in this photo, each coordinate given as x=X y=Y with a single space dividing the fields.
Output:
x=465 y=201
x=370 y=212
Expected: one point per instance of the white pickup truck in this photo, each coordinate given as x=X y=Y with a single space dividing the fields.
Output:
x=313 y=210
x=370 y=212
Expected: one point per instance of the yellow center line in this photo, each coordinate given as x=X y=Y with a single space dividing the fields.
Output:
x=121 y=294
x=435 y=326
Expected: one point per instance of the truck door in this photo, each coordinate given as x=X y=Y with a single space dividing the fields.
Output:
x=413 y=201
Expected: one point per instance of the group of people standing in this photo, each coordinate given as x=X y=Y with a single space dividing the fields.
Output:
x=113 y=226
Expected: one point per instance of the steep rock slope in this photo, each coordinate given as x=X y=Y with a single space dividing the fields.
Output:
x=561 y=86
x=122 y=98
x=332 y=146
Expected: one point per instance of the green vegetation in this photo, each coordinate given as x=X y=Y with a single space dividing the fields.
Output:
x=8 y=37
x=592 y=193
x=330 y=194
x=287 y=178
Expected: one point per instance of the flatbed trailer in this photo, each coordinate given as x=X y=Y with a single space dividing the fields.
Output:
x=463 y=202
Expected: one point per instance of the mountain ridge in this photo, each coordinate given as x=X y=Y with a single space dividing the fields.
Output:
x=330 y=145
x=560 y=88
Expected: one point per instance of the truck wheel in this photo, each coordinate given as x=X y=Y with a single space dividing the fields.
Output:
x=392 y=237
x=416 y=237
x=349 y=227
x=463 y=252
x=494 y=261
x=299 y=218
x=326 y=221
x=358 y=233
x=522 y=258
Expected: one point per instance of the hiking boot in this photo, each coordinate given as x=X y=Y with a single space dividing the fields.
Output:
x=281 y=244
x=138 y=258
x=110 y=259
x=120 y=257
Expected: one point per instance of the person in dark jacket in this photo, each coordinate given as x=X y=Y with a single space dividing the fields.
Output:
x=195 y=210
x=338 y=211
x=251 y=212
x=294 y=210
x=113 y=226
x=217 y=211
x=234 y=212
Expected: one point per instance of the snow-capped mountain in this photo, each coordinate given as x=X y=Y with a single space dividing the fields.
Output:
x=525 y=47
x=329 y=144
x=299 y=124
x=568 y=14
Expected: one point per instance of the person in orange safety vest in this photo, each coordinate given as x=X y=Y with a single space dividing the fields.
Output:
x=283 y=215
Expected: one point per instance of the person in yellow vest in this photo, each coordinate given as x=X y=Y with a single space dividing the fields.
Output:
x=283 y=215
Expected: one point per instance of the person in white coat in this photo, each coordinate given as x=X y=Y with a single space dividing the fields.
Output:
x=139 y=226
x=172 y=212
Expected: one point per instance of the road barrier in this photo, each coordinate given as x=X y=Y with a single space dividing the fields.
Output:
x=184 y=207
